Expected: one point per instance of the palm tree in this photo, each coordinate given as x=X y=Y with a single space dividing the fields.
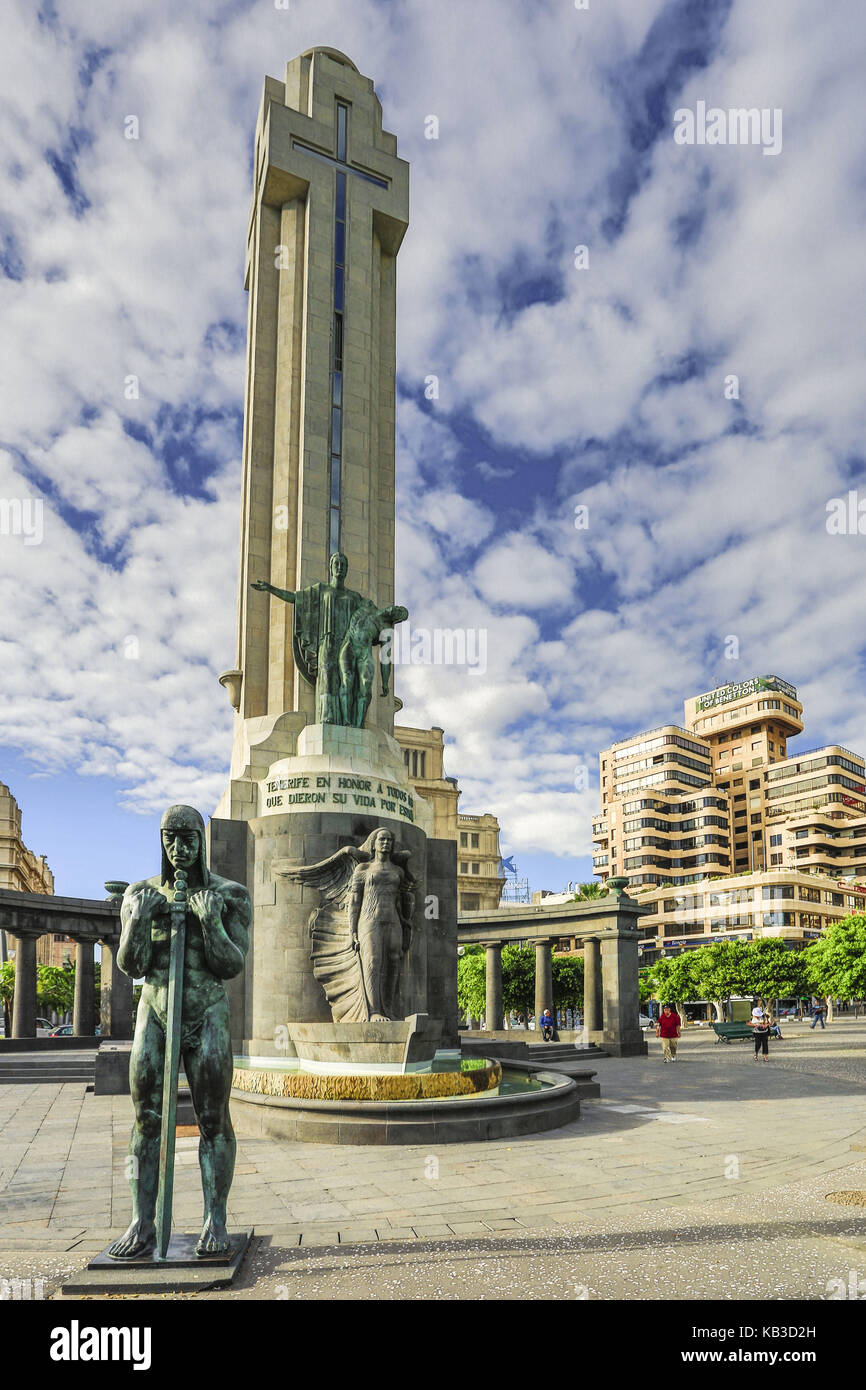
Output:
x=587 y=891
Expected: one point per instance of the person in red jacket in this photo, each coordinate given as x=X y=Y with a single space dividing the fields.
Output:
x=668 y=1029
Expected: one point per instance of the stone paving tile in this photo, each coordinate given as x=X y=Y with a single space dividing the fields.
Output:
x=354 y=1234
x=797 y=1120
x=325 y=1236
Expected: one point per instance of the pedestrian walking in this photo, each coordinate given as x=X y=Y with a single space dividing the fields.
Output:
x=817 y=1012
x=668 y=1029
x=760 y=1026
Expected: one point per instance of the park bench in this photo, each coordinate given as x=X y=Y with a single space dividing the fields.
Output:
x=725 y=1031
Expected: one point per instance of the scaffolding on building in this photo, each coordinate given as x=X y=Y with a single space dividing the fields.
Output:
x=514 y=888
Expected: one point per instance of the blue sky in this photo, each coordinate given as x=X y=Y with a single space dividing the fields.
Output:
x=559 y=386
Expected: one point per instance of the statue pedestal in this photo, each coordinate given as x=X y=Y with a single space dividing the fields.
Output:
x=339 y=786
x=334 y=1049
x=182 y=1271
x=343 y=770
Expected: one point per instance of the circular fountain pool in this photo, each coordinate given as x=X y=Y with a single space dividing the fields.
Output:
x=463 y=1100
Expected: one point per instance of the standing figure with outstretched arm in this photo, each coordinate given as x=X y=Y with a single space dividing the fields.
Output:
x=321 y=615
x=322 y=618
x=218 y=916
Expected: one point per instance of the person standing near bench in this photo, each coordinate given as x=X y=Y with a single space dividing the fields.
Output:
x=760 y=1024
x=668 y=1029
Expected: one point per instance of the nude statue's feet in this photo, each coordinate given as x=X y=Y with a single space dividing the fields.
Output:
x=379 y=1018
x=214 y=1239
x=137 y=1241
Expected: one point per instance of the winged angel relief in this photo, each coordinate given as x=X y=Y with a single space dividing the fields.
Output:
x=361 y=931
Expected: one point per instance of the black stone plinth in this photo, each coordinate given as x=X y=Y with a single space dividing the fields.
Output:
x=181 y=1270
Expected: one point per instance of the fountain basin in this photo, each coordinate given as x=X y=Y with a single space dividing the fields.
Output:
x=521 y=1104
x=475 y=1076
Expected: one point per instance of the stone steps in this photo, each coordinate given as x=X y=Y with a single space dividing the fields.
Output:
x=555 y=1053
x=35 y=1068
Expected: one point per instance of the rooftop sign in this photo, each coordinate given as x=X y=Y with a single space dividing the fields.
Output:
x=723 y=694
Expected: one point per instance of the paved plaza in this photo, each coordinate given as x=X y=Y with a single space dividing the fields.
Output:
x=707 y=1177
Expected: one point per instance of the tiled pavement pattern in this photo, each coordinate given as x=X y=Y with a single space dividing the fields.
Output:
x=706 y=1140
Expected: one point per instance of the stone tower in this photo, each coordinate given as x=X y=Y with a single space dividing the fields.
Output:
x=330 y=210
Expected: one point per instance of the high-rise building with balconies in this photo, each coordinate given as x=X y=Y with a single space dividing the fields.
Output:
x=662 y=819
x=723 y=798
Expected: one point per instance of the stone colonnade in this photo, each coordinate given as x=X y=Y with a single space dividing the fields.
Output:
x=26 y=917
x=611 y=997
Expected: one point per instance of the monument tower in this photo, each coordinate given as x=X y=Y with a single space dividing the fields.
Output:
x=330 y=209
x=315 y=767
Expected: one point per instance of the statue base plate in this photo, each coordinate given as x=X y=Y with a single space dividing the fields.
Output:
x=181 y=1270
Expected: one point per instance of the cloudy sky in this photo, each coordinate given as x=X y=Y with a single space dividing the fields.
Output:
x=599 y=380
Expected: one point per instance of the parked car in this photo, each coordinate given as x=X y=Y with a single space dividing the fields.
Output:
x=43 y=1027
x=65 y=1031
x=644 y=1021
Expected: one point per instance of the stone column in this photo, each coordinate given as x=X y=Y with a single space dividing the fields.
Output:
x=494 y=986
x=84 y=1007
x=592 y=997
x=115 y=1001
x=24 y=1001
x=621 y=1035
x=543 y=979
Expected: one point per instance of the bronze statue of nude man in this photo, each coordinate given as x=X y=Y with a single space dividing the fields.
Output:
x=217 y=935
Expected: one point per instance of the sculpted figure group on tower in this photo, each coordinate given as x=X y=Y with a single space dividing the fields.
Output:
x=334 y=631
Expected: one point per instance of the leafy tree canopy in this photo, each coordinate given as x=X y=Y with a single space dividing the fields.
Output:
x=836 y=965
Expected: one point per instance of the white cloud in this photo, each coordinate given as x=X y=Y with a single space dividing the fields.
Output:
x=519 y=572
x=694 y=532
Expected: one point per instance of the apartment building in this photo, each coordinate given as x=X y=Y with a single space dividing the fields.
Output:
x=22 y=871
x=723 y=797
x=794 y=905
x=479 y=867
x=821 y=842
x=663 y=820
x=424 y=756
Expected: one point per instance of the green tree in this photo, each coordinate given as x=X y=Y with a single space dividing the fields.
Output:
x=646 y=983
x=567 y=982
x=772 y=971
x=518 y=979
x=470 y=981
x=587 y=892
x=55 y=988
x=7 y=992
x=720 y=970
x=836 y=964
x=673 y=978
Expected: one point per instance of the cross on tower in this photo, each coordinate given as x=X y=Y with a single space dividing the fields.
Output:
x=340 y=159
x=340 y=163
x=331 y=194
